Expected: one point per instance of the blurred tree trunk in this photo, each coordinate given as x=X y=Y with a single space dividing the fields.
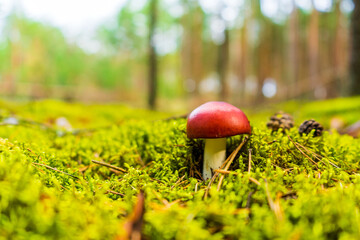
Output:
x=197 y=70
x=152 y=77
x=222 y=66
x=355 y=50
x=192 y=50
x=264 y=51
x=10 y=79
x=336 y=88
x=314 y=81
x=293 y=51
x=243 y=60
x=264 y=59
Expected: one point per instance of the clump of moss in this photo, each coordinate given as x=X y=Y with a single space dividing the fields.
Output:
x=53 y=187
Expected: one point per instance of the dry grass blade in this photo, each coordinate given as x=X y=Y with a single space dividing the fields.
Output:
x=109 y=166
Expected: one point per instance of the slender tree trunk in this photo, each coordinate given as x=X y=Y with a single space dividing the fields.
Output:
x=336 y=87
x=264 y=58
x=314 y=81
x=355 y=50
x=10 y=84
x=222 y=66
x=293 y=51
x=243 y=60
x=197 y=68
x=186 y=43
x=152 y=91
x=192 y=50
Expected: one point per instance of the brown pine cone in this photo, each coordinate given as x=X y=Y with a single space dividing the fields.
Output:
x=307 y=126
x=280 y=120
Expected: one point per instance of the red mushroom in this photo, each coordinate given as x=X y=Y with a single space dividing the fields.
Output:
x=215 y=121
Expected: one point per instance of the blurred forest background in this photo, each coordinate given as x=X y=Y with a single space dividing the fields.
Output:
x=175 y=54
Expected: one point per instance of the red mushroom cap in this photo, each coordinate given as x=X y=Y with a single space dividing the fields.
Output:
x=217 y=120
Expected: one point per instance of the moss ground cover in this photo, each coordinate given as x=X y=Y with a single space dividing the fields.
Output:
x=53 y=187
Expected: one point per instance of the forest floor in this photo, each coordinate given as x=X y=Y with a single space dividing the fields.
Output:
x=76 y=171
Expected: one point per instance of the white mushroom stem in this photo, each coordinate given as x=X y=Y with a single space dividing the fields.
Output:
x=214 y=155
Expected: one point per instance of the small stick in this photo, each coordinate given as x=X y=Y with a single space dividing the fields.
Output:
x=268 y=196
x=113 y=192
x=231 y=159
x=317 y=156
x=54 y=169
x=177 y=182
x=39 y=157
x=249 y=168
x=216 y=173
x=140 y=159
x=248 y=202
x=109 y=165
x=254 y=181
x=38 y=168
x=209 y=185
x=303 y=152
x=251 y=179
x=226 y=172
x=163 y=201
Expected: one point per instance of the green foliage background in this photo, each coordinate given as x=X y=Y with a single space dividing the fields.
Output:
x=286 y=196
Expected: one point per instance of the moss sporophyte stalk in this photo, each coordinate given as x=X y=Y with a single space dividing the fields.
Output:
x=86 y=182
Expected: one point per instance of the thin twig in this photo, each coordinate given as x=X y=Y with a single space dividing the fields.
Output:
x=268 y=196
x=254 y=181
x=177 y=182
x=248 y=201
x=251 y=179
x=163 y=201
x=222 y=166
x=140 y=159
x=109 y=165
x=116 y=193
x=38 y=156
x=225 y=172
x=54 y=169
x=230 y=161
x=274 y=206
x=303 y=152
x=317 y=156
x=249 y=167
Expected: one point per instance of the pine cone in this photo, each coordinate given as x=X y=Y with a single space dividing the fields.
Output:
x=280 y=120
x=309 y=125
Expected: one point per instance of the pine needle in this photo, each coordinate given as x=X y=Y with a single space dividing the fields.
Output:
x=231 y=159
x=54 y=169
x=109 y=166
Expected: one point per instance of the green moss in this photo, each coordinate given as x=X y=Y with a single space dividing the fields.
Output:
x=299 y=187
